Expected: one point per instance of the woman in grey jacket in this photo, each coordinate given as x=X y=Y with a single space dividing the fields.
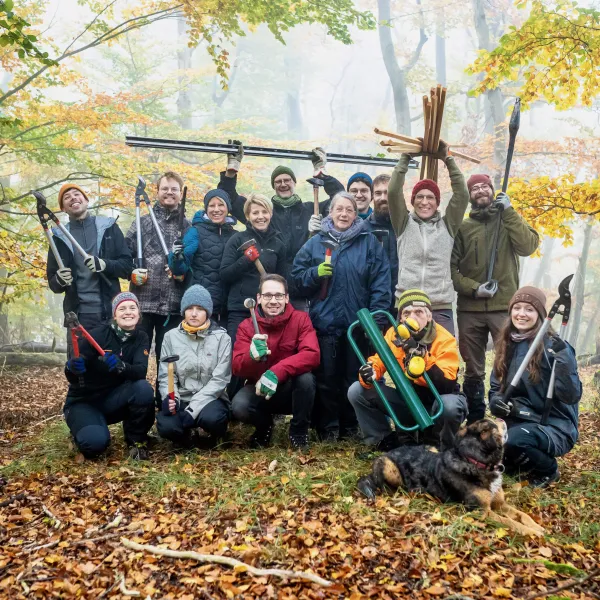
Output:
x=202 y=372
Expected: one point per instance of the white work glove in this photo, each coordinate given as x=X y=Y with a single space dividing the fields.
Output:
x=64 y=277
x=258 y=347
x=504 y=200
x=178 y=248
x=314 y=223
x=139 y=276
x=487 y=289
x=319 y=160
x=94 y=264
x=234 y=161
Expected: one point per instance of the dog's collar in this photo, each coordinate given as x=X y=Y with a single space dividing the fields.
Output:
x=498 y=467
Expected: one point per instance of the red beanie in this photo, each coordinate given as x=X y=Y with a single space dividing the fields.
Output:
x=426 y=184
x=479 y=178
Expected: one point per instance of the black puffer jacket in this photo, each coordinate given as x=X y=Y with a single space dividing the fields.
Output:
x=98 y=380
x=240 y=273
x=203 y=247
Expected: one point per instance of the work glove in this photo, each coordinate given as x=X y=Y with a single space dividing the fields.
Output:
x=169 y=405
x=314 y=223
x=234 y=161
x=557 y=345
x=499 y=408
x=415 y=154
x=267 y=385
x=258 y=347
x=325 y=269
x=252 y=253
x=139 y=276
x=367 y=373
x=319 y=160
x=112 y=361
x=64 y=277
x=94 y=264
x=76 y=365
x=442 y=151
x=504 y=200
x=177 y=249
x=487 y=289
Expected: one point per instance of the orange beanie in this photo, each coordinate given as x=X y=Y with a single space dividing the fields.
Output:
x=63 y=190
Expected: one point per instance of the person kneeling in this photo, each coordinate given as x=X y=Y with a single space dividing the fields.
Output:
x=202 y=351
x=277 y=366
x=431 y=349
x=533 y=441
x=112 y=388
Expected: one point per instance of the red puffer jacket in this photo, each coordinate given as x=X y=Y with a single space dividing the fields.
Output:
x=292 y=341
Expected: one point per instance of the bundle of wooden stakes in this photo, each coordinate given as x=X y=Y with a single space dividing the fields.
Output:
x=433 y=113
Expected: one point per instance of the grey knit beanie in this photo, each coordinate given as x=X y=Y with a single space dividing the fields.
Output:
x=196 y=295
x=123 y=297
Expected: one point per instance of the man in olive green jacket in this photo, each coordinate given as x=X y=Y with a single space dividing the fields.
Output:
x=482 y=305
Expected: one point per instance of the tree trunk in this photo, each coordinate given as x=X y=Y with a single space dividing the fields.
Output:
x=33 y=347
x=32 y=359
x=295 y=121
x=184 y=62
x=541 y=275
x=592 y=330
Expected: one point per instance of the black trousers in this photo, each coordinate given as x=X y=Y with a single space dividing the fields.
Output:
x=529 y=450
x=333 y=414
x=131 y=402
x=294 y=397
x=213 y=418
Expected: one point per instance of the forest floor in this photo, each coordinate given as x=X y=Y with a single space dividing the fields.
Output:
x=63 y=521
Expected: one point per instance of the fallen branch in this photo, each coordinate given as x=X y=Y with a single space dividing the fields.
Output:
x=577 y=582
x=102 y=538
x=10 y=500
x=225 y=560
x=56 y=523
x=125 y=591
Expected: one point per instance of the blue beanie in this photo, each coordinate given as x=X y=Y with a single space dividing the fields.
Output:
x=360 y=176
x=217 y=194
x=123 y=297
x=196 y=295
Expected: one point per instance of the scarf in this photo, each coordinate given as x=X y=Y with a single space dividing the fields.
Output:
x=367 y=214
x=356 y=228
x=484 y=213
x=121 y=333
x=195 y=330
x=286 y=202
x=427 y=334
x=517 y=337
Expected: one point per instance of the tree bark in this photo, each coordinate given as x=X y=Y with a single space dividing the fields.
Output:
x=32 y=359
x=33 y=347
x=544 y=266
x=184 y=62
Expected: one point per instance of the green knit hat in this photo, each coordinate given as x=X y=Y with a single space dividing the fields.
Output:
x=281 y=170
x=414 y=297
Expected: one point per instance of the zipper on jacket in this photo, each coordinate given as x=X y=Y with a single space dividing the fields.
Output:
x=424 y=258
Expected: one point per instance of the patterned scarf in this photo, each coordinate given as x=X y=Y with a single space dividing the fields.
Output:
x=517 y=337
x=328 y=228
x=121 y=333
x=286 y=202
x=195 y=330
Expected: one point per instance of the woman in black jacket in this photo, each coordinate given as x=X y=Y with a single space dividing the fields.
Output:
x=539 y=429
x=203 y=247
x=239 y=267
x=112 y=388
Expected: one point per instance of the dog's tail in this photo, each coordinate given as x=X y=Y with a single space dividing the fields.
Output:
x=385 y=472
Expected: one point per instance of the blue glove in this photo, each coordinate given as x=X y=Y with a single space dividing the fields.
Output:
x=113 y=362
x=187 y=419
x=76 y=365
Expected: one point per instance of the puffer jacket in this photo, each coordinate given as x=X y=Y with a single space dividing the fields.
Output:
x=425 y=247
x=472 y=251
x=563 y=421
x=161 y=294
x=203 y=369
x=113 y=251
x=375 y=222
x=203 y=246
x=361 y=279
x=292 y=342
x=98 y=380
x=240 y=273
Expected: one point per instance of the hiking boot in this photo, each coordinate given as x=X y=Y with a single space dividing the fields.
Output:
x=299 y=442
x=544 y=481
x=350 y=434
x=262 y=436
x=139 y=451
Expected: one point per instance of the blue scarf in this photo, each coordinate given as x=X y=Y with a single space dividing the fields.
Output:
x=342 y=236
x=366 y=215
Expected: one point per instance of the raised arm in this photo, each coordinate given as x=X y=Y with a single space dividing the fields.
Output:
x=455 y=211
x=397 y=203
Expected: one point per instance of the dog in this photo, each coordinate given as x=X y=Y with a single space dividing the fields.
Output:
x=470 y=473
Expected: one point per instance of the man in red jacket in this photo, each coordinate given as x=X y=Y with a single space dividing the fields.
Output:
x=277 y=365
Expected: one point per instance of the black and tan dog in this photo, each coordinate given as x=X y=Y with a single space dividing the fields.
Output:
x=470 y=472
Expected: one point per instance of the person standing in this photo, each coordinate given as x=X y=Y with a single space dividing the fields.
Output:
x=87 y=294
x=425 y=237
x=158 y=291
x=482 y=303
x=533 y=441
x=358 y=276
x=277 y=364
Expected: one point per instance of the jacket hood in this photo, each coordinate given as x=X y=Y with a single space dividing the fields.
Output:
x=102 y=224
x=201 y=218
x=275 y=323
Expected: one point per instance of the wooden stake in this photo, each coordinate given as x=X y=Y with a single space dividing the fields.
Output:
x=398 y=136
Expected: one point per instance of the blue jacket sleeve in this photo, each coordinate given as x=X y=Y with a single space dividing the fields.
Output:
x=568 y=388
x=379 y=283
x=182 y=264
x=304 y=274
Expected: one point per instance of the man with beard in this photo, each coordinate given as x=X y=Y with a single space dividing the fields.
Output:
x=425 y=237
x=482 y=304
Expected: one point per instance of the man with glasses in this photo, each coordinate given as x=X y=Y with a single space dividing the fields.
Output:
x=483 y=299
x=425 y=237
x=158 y=292
x=277 y=364
x=430 y=349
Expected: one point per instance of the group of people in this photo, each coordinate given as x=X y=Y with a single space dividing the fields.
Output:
x=251 y=324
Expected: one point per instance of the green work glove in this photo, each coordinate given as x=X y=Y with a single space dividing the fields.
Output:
x=325 y=269
x=258 y=347
x=267 y=385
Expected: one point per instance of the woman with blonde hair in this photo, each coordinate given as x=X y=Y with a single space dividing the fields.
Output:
x=239 y=266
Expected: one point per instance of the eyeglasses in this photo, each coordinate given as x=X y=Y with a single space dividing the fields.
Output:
x=423 y=198
x=478 y=188
x=269 y=297
x=283 y=182
x=175 y=190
